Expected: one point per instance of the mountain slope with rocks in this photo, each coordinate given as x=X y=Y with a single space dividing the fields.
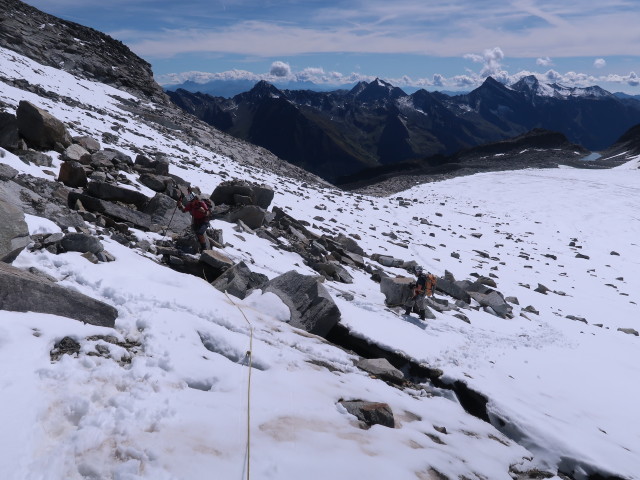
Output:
x=524 y=369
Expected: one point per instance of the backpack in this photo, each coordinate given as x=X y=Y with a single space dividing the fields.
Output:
x=208 y=206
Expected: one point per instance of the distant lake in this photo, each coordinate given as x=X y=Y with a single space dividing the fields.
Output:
x=591 y=157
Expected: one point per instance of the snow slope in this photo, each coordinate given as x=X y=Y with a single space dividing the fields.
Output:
x=172 y=404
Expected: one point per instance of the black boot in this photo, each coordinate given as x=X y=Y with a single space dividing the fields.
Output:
x=422 y=315
x=407 y=311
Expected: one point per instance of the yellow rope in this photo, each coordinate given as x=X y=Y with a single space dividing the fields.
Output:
x=250 y=355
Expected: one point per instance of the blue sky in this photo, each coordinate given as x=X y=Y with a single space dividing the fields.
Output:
x=434 y=44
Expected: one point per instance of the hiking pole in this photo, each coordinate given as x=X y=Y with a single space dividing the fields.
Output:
x=171 y=219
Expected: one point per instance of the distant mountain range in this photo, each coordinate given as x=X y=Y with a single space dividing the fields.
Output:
x=373 y=124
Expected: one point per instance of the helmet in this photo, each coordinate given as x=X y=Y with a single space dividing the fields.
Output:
x=418 y=270
x=190 y=197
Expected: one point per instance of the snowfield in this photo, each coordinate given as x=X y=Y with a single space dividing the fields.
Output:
x=171 y=398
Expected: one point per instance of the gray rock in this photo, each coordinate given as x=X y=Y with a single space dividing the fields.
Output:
x=493 y=300
x=380 y=367
x=252 y=215
x=349 y=244
x=450 y=287
x=112 y=210
x=228 y=193
x=370 y=413
x=311 y=305
x=40 y=129
x=216 y=259
x=74 y=153
x=541 y=289
x=37 y=158
x=386 y=260
x=239 y=281
x=14 y=232
x=396 y=290
x=157 y=183
x=73 y=174
x=7 y=172
x=629 y=331
x=47 y=297
x=163 y=211
x=513 y=300
x=81 y=242
x=90 y=144
x=333 y=271
x=116 y=193
x=9 y=135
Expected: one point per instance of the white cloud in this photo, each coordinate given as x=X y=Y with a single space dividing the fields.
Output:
x=280 y=69
x=544 y=62
x=491 y=60
x=599 y=63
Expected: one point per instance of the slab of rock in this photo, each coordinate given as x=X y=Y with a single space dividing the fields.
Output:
x=370 y=413
x=451 y=288
x=39 y=128
x=629 y=331
x=118 y=212
x=14 y=232
x=396 y=290
x=7 y=172
x=252 y=215
x=47 y=297
x=216 y=259
x=380 y=367
x=312 y=308
x=239 y=281
x=116 y=193
x=157 y=183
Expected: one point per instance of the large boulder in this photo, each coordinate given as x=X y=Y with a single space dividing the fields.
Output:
x=239 y=281
x=116 y=193
x=312 y=308
x=159 y=165
x=396 y=290
x=157 y=183
x=72 y=174
x=39 y=128
x=14 y=232
x=241 y=193
x=251 y=215
x=47 y=297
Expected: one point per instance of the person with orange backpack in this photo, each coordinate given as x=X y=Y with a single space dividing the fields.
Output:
x=200 y=215
x=424 y=285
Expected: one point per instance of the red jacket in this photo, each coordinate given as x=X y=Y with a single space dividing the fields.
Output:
x=198 y=209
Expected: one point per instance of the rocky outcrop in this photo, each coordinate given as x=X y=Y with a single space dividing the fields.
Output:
x=311 y=305
x=115 y=211
x=46 y=297
x=14 y=232
x=40 y=129
x=381 y=368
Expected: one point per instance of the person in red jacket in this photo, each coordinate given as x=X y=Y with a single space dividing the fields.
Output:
x=199 y=211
